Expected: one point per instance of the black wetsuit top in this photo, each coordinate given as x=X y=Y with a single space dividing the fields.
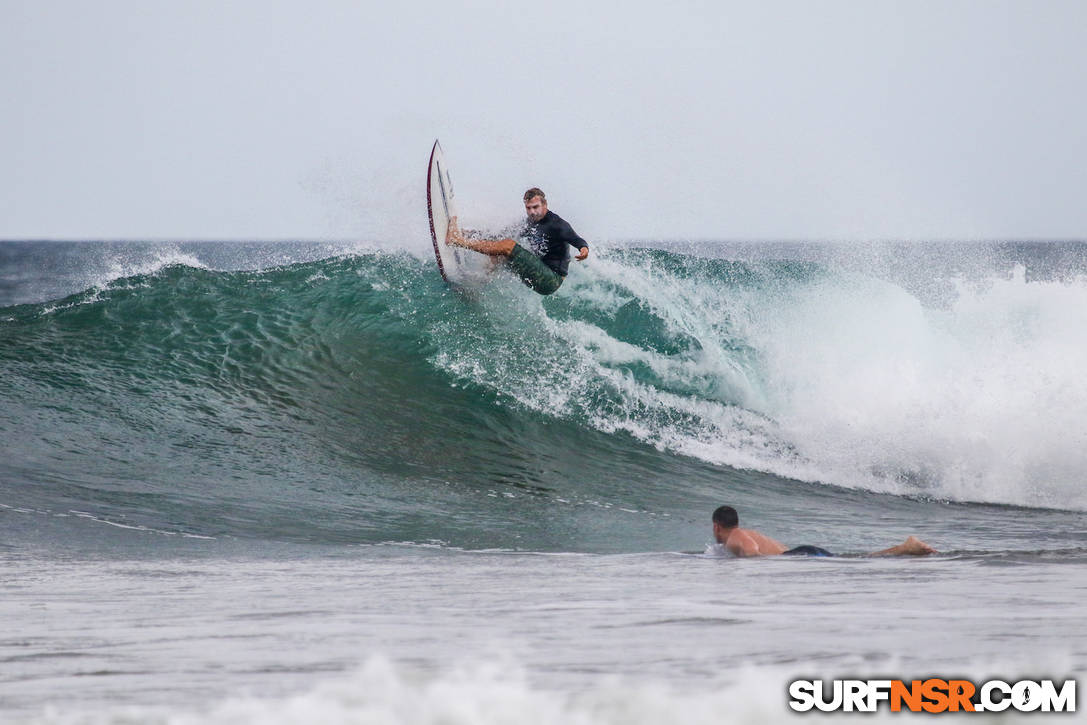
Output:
x=548 y=238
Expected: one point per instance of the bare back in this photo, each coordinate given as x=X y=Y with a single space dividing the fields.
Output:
x=748 y=542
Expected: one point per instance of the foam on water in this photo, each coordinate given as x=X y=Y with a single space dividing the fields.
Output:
x=829 y=376
x=161 y=257
x=981 y=401
x=501 y=691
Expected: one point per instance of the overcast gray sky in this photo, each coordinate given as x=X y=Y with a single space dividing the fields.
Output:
x=671 y=120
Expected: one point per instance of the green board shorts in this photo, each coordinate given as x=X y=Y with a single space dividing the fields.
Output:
x=534 y=273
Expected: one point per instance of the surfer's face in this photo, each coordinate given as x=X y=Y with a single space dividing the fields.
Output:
x=535 y=208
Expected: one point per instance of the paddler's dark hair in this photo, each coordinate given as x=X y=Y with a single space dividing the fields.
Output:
x=726 y=517
x=533 y=193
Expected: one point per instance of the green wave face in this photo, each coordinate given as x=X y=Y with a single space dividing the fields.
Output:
x=358 y=398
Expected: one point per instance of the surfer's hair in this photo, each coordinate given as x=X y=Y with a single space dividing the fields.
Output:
x=533 y=193
x=726 y=517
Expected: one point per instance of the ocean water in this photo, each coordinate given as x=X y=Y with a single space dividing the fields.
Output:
x=308 y=482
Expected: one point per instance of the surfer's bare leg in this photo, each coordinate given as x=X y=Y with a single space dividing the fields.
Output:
x=910 y=547
x=453 y=234
x=493 y=247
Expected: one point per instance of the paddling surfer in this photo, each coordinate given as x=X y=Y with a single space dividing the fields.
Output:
x=748 y=542
x=539 y=256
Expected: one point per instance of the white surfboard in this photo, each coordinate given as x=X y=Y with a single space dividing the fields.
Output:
x=456 y=264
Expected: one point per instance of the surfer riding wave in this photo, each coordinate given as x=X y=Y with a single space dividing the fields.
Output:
x=539 y=256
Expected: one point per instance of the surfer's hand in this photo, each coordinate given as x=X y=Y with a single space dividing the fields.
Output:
x=583 y=255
